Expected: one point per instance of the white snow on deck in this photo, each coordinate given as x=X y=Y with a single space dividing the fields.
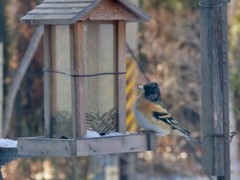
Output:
x=7 y=143
x=93 y=134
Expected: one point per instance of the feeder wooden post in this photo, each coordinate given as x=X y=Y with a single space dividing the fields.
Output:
x=215 y=110
x=47 y=82
x=121 y=67
x=78 y=88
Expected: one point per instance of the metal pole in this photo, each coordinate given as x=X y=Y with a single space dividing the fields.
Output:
x=215 y=98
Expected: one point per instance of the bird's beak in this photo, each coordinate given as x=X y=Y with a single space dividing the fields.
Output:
x=140 y=89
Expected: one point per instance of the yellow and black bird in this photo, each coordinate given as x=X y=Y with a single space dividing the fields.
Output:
x=152 y=115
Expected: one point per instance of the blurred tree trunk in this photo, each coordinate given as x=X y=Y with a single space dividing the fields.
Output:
x=1 y=89
x=17 y=79
x=234 y=143
x=234 y=156
x=232 y=9
x=1 y=70
x=22 y=73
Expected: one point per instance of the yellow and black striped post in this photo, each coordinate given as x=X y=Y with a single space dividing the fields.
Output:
x=131 y=93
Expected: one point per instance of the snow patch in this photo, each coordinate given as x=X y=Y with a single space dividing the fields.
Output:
x=94 y=134
x=7 y=143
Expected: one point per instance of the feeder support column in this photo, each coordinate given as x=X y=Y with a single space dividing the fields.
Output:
x=215 y=102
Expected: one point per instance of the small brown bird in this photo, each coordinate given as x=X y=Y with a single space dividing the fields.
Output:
x=152 y=115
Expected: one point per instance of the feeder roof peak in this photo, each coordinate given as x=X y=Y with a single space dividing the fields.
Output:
x=71 y=11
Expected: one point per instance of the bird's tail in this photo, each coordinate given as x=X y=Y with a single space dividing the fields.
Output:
x=194 y=139
x=185 y=133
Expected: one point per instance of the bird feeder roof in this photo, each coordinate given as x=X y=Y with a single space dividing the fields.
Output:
x=71 y=11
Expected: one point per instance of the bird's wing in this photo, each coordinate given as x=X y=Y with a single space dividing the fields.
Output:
x=167 y=118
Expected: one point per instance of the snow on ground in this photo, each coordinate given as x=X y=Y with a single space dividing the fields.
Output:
x=7 y=143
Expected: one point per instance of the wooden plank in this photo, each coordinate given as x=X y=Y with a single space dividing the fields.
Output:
x=48 y=19
x=114 y=144
x=215 y=127
x=61 y=5
x=37 y=146
x=55 y=11
x=46 y=147
x=50 y=16
x=78 y=84
x=121 y=79
x=108 y=10
x=74 y=70
x=105 y=17
x=47 y=82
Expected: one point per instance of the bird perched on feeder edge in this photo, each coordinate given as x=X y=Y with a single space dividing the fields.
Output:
x=152 y=115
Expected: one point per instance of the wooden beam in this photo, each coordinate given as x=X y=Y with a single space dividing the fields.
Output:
x=47 y=82
x=215 y=120
x=39 y=146
x=114 y=144
x=121 y=79
x=78 y=84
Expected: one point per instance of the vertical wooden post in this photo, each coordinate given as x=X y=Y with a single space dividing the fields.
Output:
x=215 y=115
x=78 y=84
x=121 y=79
x=47 y=82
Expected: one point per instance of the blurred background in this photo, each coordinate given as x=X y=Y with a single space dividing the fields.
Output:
x=166 y=50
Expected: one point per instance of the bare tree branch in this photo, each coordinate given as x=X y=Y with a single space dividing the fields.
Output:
x=130 y=51
x=17 y=79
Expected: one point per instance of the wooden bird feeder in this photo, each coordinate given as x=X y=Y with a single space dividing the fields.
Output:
x=82 y=39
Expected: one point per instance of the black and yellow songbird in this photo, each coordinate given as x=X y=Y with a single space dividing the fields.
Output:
x=152 y=115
